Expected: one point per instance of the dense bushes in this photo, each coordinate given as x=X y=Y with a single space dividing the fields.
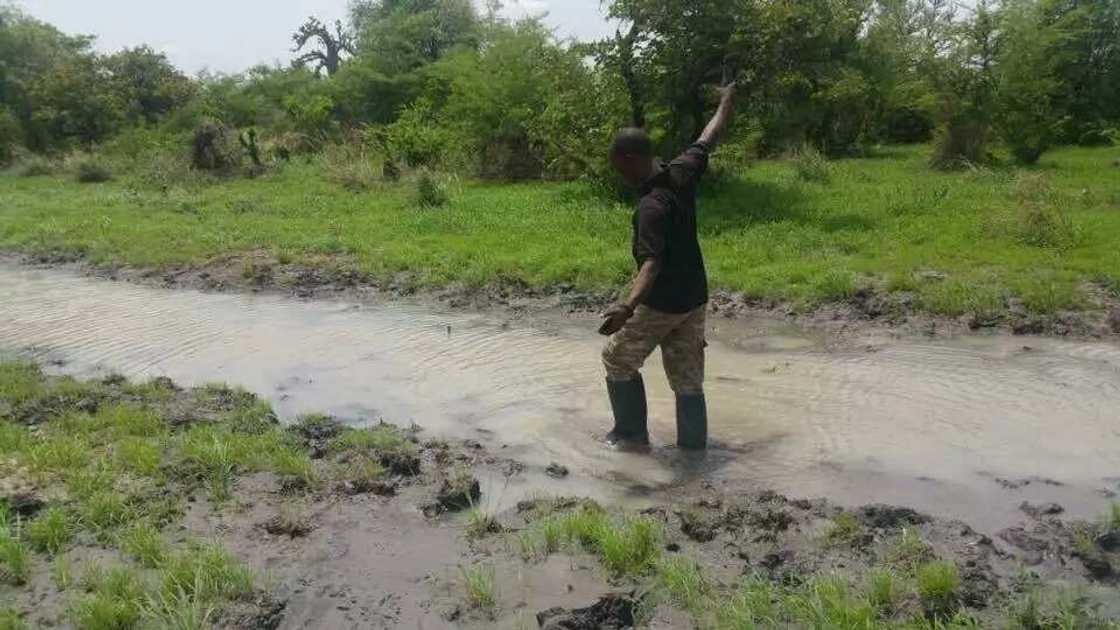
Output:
x=436 y=85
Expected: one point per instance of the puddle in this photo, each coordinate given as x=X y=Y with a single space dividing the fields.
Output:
x=930 y=424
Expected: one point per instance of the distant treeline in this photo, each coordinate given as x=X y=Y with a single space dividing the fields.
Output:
x=437 y=83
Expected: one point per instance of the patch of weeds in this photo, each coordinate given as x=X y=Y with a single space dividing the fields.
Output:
x=13 y=438
x=380 y=438
x=213 y=455
x=104 y=511
x=1042 y=219
x=92 y=172
x=632 y=548
x=139 y=456
x=50 y=531
x=845 y=530
x=14 y=557
x=11 y=620
x=908 y=551
x=178 y=611
x=829 y=603
x=1112 y=518
x=115 y=602
x=480 y=523
x=883 y=592
x=256 y=418
x=752 y=605
x=37 y=167
x=1046 y=297
x=143 y=542
x=207 y=573
x=62 y=575
x=89 y=481
x=938 y=586
x=294 y=464
x=480 y=586
x=835 y=285
x=432 y=191
x=811 y=165
x=683 y=581
x=59 y=453
x=955 y=297
x=543 y=538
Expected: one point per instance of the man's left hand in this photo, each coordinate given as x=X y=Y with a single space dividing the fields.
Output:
x=615 y=318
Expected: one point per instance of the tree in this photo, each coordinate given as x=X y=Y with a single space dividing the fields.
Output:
x=331 y=46
x=399 y=36
x=147 y=84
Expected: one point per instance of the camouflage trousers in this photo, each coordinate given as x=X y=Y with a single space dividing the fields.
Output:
x=681 y=337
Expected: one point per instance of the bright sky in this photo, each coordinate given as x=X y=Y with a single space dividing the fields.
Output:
x=232 y=35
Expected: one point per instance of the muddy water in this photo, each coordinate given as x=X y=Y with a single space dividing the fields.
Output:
x=932 y=424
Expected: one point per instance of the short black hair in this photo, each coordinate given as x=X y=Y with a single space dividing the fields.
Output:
x=632 y=141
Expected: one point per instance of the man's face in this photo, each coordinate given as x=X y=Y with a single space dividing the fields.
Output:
x=631 y=167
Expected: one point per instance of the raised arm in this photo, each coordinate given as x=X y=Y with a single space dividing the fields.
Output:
x=713 y=133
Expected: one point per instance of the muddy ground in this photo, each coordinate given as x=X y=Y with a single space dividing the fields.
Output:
x=869 y=310
x=401 y=548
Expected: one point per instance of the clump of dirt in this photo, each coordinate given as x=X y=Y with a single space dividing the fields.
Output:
x=460 y=492
x=612 y=612
x=556 y=471
x=890 y=516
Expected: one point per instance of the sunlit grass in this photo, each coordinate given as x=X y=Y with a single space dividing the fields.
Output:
x=882 y=222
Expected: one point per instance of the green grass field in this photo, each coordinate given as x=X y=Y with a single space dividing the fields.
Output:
x=962 y=242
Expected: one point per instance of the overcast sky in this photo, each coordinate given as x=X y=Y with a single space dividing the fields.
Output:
x=232 y=35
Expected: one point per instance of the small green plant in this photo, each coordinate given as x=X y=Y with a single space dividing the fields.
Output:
x=430 y=191
x=50 y=532
x=61 y=574
x=104 y=511
x=14 y=557
x=883 y=592
x=630 y=549
x=207 y=573
x=143 y=542
x=811 y=165
x=37 y=167
x=752 y=606
x=480 y=585
x=845 y=529
x=480 y=523
x=1112 y=519
x=684 y=582
x=829 y=603
x=139 y=456
x=908 y=551
x=938 y=585
x=115 y=601
x=92 y=172
x=11 y=620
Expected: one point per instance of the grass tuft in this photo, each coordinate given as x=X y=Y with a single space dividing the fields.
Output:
x=50 y=532
x=143 y=542
x=207 y=573
x=480 y=586
x=938 y=585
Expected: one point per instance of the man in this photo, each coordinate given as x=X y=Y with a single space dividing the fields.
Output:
x=668 y=302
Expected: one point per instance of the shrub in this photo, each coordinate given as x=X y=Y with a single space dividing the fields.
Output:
x=351 y=166
x=93 y=172
x=811 y=165
x=961 y=143
x=36 y=166
x=431 y=192
x=10 y=135
x=215 y=148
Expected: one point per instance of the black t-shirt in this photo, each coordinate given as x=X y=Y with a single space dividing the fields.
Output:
x=665 y=229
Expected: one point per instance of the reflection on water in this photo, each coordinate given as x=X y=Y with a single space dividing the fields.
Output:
x=930 y=424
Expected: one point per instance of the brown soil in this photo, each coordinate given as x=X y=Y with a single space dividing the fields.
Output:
x=867 y=310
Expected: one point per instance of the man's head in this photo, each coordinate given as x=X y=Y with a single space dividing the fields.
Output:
x=631 y=155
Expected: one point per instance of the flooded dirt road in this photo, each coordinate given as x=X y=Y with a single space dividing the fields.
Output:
x=967 y=428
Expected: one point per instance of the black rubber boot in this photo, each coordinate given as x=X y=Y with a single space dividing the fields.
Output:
x=628 y=401
x=692 y=422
